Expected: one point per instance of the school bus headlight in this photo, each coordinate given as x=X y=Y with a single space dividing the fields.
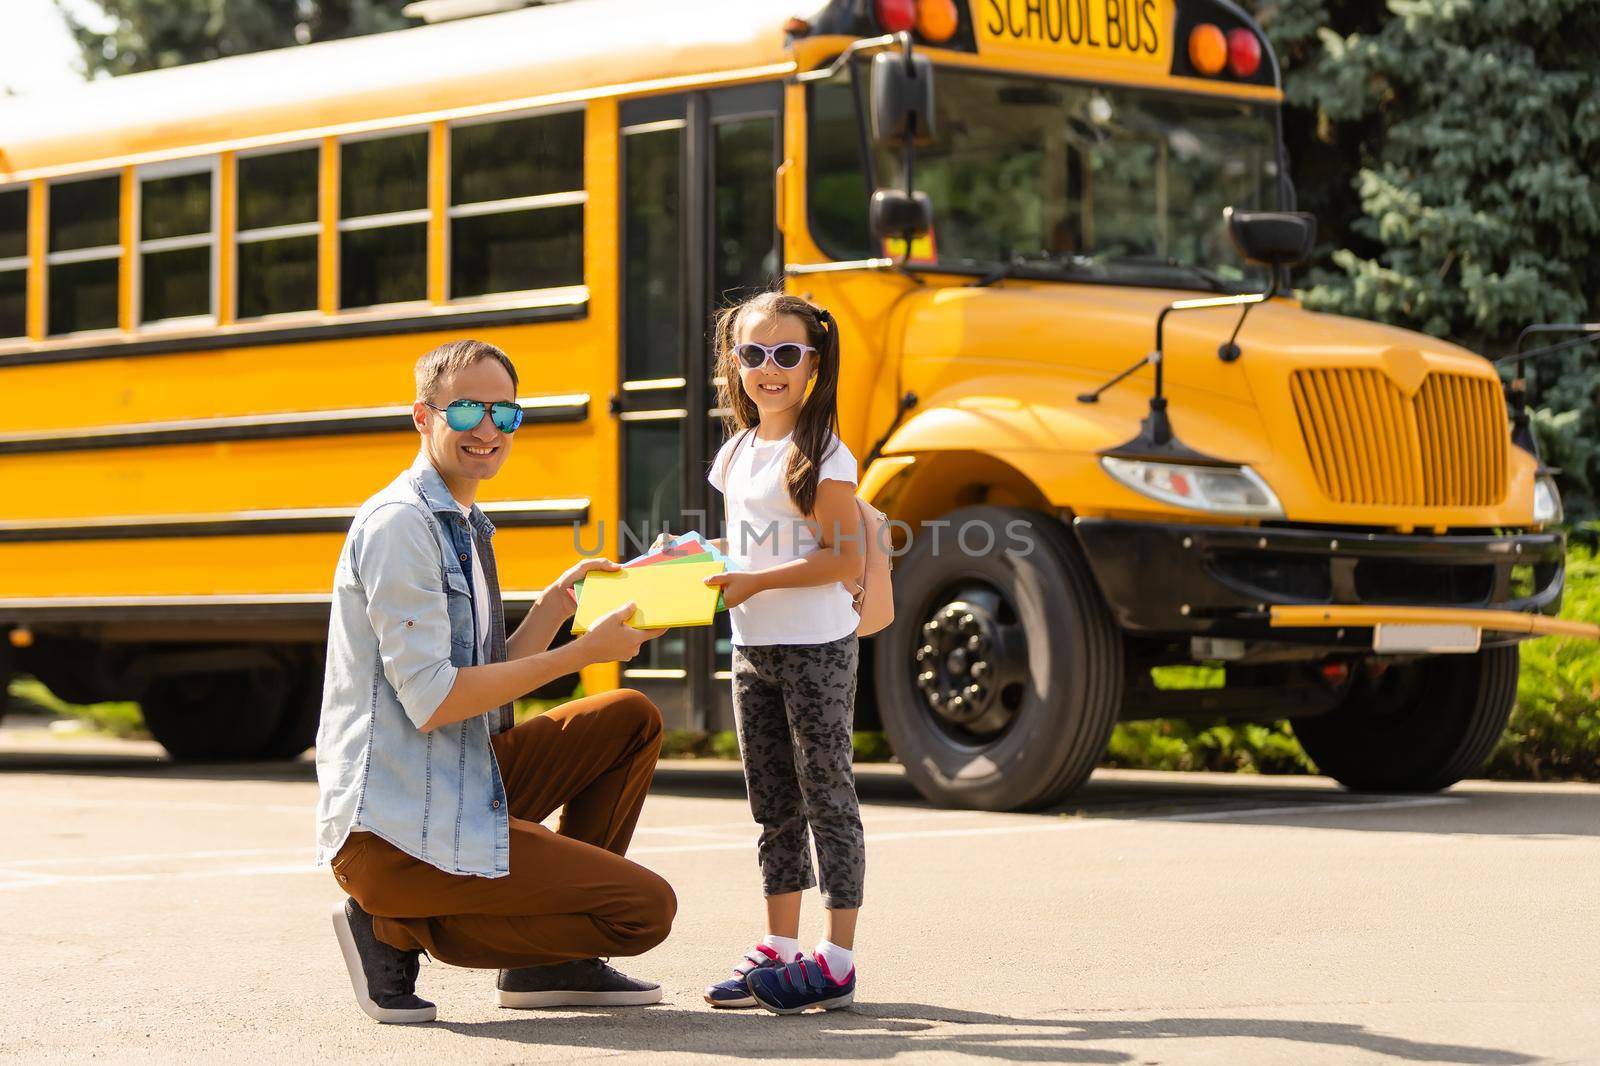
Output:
x=1235 y=490
x=1547 y=509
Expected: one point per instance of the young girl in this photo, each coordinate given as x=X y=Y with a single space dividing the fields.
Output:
x=788 y=483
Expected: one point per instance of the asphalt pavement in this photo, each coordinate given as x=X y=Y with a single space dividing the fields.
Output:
x=164 y=913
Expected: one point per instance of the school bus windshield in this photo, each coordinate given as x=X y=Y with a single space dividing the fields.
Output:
x=1048 y=178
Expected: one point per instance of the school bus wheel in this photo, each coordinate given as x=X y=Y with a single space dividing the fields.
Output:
x=5 y=679
x=302 y=712
x=1416 y=726
x=218 y=716
x=1001 y=678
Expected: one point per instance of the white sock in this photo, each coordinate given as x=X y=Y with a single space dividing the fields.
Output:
x=840 y=961
x=787 y=947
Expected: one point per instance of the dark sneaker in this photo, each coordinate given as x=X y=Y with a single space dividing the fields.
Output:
x=801 y=985
x=582 y=983
x=734 y=992
x=384 y=978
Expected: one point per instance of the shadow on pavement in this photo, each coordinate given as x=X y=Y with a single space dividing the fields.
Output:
x=889 y=1030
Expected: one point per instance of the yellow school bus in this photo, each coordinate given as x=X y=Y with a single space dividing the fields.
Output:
x=214 y=281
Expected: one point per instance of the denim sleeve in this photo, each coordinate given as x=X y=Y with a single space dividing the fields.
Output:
x=396 y=559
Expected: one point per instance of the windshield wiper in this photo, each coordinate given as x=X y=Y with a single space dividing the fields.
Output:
x=1214 y=281
x=1031 y=264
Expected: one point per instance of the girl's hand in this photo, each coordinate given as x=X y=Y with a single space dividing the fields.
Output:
x=560 y=595
x=736 y=586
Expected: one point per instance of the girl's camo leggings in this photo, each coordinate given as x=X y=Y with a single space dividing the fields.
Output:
x=795 y=706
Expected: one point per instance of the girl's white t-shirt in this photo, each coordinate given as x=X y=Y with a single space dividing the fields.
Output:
x=765 y=528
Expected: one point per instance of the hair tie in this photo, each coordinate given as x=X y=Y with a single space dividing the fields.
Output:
x=825 y=319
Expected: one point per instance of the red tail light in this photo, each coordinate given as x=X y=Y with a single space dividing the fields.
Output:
x=1244 y=53
x=896 y=15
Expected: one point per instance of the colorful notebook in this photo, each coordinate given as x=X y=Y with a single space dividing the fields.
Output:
x=664 y=596
x=686 y=548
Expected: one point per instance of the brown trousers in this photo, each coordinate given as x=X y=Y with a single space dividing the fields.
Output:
x=570 y=893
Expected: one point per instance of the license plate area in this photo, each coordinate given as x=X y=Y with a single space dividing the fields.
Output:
x=1403 y=638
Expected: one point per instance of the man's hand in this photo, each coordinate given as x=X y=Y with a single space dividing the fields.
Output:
x=612 y=639
x=559 y=594
x=737 y=586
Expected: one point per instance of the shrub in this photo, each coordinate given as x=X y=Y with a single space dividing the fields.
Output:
x=1555 y=731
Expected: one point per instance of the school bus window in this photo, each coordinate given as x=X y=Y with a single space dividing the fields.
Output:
x=516 y=204
x=278 y=232
x=383 y=220
x=84 y=255
x=1087 y=183
x=13 y=262
x=839 y=193
x=175 y=242
x=745 y=256
x=653 y=232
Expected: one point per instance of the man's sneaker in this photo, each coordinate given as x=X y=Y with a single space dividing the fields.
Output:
x=384 y=978
x=734 y=992
x=801 y=985
x=582 y=983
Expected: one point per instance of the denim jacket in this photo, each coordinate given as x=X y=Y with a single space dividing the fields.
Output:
x=402 y=624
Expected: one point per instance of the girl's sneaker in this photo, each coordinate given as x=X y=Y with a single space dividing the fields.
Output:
x=732 y=992
x=802 y=984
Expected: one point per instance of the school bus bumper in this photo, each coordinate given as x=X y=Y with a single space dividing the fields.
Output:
x=1536 y=625
x=1324 y=586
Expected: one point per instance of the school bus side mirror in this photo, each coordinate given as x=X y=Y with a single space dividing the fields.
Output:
x=1276 y=238
x=902 y=99
x=898 y=215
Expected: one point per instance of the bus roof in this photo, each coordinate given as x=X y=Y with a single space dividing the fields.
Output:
x=531 y=54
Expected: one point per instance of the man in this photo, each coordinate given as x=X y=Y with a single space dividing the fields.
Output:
x=430 y=798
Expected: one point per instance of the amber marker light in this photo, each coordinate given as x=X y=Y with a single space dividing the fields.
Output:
x=937 y=20
x=1244 y=53
x=1208 y=49
x=895 y=16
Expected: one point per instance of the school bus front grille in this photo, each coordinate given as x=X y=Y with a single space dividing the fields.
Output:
x=1371 y=444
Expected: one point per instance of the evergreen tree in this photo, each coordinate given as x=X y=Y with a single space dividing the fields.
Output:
x=150 y=34
x=1449 y=148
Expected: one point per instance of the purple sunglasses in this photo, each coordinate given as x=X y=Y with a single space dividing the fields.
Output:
x=786 y=355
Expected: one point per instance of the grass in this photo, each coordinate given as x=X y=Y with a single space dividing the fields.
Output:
x=1555 y=732
x=115 y=719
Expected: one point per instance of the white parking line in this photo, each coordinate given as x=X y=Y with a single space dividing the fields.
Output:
x=1033 y=824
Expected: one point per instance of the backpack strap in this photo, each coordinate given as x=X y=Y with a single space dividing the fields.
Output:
x=727 y=464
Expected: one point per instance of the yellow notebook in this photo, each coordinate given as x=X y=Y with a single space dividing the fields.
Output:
x=664 y=596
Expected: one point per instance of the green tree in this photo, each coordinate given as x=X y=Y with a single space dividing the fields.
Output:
x=150 y=34
x=1449 y=148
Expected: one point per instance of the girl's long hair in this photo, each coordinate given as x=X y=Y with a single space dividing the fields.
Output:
x=818 y=423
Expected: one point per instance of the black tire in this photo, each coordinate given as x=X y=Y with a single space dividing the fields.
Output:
x=7 y=672
x=1415 y=727
x=217 y=717
x=1052 y=684
x=297 y=730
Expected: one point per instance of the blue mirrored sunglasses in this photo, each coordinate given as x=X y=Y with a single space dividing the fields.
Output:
x=463 y=415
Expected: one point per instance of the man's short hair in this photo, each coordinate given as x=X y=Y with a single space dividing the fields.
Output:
x=456 y=355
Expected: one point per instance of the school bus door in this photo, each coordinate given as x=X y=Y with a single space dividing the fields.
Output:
x=698 y=231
